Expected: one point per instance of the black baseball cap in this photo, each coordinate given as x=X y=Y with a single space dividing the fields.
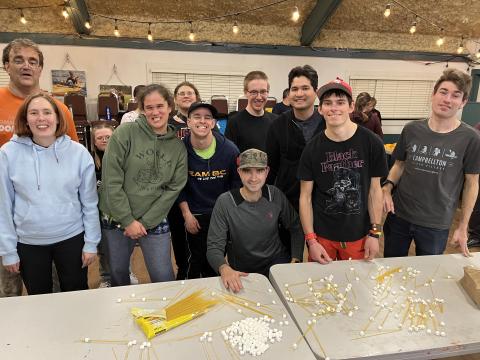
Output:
x=198 y=105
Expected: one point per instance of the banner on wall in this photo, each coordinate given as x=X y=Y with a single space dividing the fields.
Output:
x=69 y=81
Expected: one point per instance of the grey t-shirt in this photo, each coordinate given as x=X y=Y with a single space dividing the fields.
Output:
x=251 y=229
x=435 y=164
x=308 y=126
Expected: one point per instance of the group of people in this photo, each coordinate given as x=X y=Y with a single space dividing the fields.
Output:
x=232 y=204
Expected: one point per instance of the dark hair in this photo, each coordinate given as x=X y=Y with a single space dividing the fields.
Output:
x=462 y=81
x=21 y=123
x=338 y=93
x=162 y=90
x=254 y=75
x=94 y=126
x=285 y=93
x=305 y=70
x=136 y=91
x=18 y=44
x=190 y=85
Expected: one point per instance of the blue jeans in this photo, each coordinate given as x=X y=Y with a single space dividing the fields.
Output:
x=156 y=253
x=399 y=234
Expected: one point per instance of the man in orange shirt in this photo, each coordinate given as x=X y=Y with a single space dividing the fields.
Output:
x=23 y=61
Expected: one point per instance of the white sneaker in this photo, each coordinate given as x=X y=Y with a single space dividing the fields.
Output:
x=133 y=279
x=104 y=284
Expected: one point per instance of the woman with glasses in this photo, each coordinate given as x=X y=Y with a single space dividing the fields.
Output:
x=49 y=201
x=144 y=170
x=185 y=94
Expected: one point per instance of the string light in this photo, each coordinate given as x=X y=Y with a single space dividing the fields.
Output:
x=191 y=36
x=477 y=55
x=149 y=35
x=413 y=28
x=115 y=31
x=88 y=25
x=64 y=12
x=387 y=11
x=235 y=28
x=22 y=17
x=441 y=39
x=295 y=14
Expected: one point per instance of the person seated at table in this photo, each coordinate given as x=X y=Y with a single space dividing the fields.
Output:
x=245 y=224
x=49 y=200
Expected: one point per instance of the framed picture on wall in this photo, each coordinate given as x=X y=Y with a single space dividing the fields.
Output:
x=69 y=81
x=124 y=93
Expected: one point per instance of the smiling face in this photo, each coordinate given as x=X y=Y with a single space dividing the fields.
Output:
x=447 y=100
x=24 y=68
x=156 y=111
x=253 y=179
x=42 y=121
x=257 y=95
x=302 y=94
x=201 y=122
x=185 y=97
x=336 y=110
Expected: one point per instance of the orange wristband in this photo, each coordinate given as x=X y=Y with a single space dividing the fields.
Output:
x=310 y=236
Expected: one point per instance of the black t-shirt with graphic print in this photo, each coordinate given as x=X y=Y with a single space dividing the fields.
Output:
x=342 y=172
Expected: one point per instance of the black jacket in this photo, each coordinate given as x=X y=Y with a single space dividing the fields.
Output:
x=285 y=144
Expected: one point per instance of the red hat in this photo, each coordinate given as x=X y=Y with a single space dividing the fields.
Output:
x=337 y=84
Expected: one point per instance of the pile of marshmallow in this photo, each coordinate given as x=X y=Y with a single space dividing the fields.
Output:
x=252 y=335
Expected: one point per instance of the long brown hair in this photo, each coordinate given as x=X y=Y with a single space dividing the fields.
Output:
x=363 y=99
x=97 y=125
x=21 y=123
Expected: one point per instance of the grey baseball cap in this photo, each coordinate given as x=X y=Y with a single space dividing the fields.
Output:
x=252 y=158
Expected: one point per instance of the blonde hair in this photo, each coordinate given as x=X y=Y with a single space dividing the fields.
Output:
x=97 y=125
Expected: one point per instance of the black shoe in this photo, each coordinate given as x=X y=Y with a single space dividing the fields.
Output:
x=473 y=242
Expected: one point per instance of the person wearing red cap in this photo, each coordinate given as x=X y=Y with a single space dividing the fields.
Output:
x=340 y=193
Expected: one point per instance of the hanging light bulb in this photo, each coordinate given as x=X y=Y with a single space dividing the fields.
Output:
x=115 y=31
x=149 y=35
x=235 y=28
x=191 y=36
x=22 y=18
x=387 y=11
x=88 y=25
x=477 y=55
x=440 y=41
x=295 y=14
x=413 y=28
x=64 y=12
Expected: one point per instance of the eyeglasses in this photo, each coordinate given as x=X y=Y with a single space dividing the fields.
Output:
x=102 y=138
x=255 y=93
x=186 y=93
x=19 y=61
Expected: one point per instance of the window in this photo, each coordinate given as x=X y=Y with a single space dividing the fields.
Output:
x=4 y=78
x=208 y=85
x=397 y=99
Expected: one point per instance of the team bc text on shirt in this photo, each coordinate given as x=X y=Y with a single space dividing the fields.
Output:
x=229 y=201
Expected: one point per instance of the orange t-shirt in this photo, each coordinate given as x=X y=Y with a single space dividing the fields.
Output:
x=9 y=105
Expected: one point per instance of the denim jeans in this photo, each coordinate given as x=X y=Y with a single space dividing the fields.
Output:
x=156 y=253
x=399 y=234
